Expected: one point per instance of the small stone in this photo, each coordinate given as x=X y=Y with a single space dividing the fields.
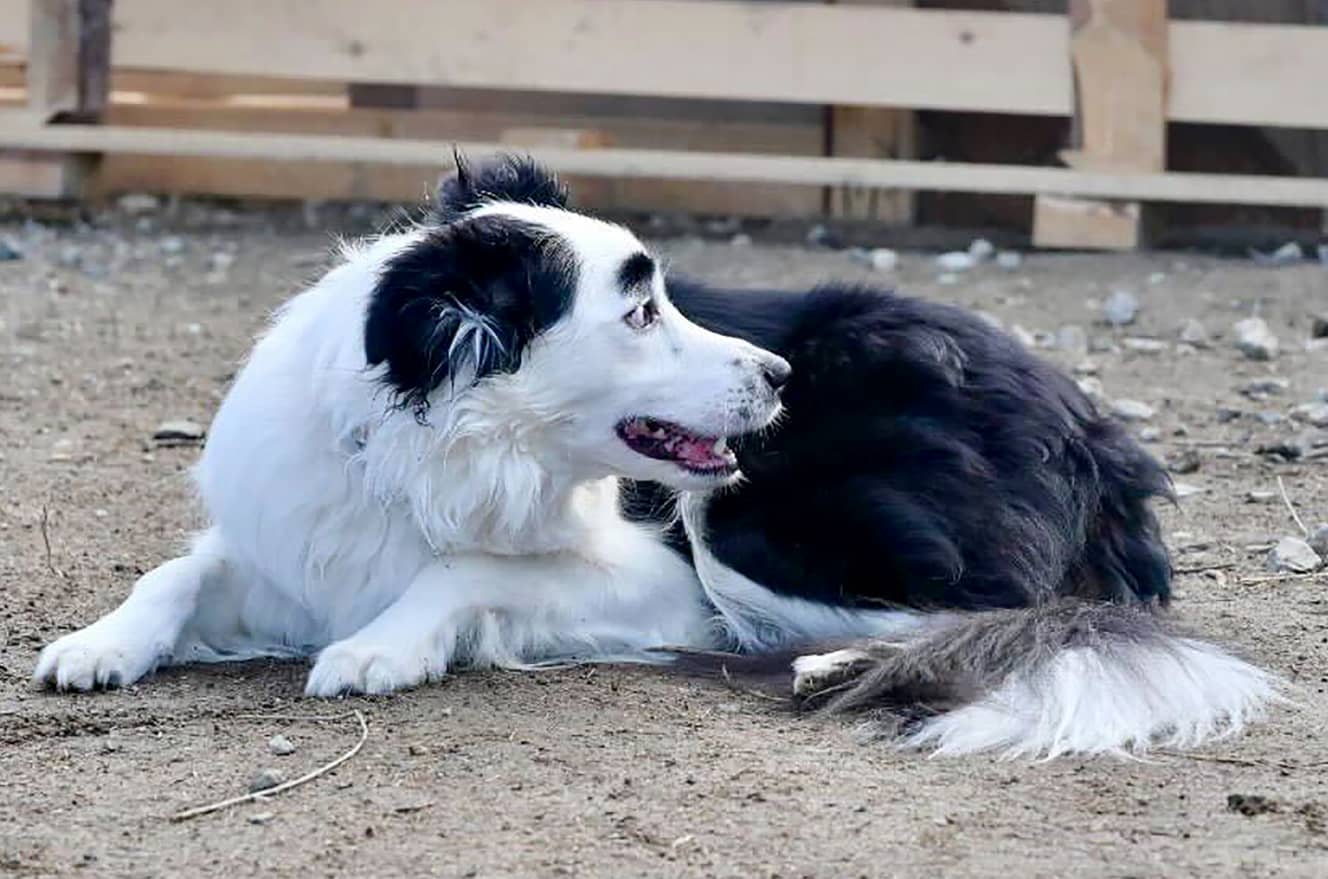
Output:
x=1187 y=489
x=1226 y=414
x=1184 y=461
x=1319 y=539
x=1121 y=308
x=1092 y=388
x=1009 y=260
x=138 y=203
x=883 y=259
x=266 y=780
x=818 y=235
x=1285 y=255
x=222 y=260
x=1269 y=418
x=1260 y=497
x=1157 y=278
x=261 y=818
x=742 y=239
x=981 y=250
x=280 y=745
x=1265 y=387
x=1254 y=339
x=1149 y=435
x=955 y=261
x=1192 y=332
x=1132 y=410
x=1024 y=337
x=1319 y=325
x=948 y=279
x=1085 y=367
x=1293 y=555
x=9 y=250
x=178 y=433
x=1144 y=346
x=1315 y=414
x=1072 y=339
x=171 y=244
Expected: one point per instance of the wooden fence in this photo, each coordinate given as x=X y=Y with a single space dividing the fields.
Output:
x=251 y=97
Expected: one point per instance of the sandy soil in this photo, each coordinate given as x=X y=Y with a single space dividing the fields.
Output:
x=107 y=331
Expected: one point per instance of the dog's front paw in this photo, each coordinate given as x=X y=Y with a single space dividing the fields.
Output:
x=352 y=666
x=98 y=656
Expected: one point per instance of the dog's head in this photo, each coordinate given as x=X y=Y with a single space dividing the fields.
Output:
x=508 y=288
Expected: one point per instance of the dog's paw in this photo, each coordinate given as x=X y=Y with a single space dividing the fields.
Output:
x=94 y=657
x=352 y=666
x=816 y=672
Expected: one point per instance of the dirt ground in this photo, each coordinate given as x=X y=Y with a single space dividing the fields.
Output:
x=110 y=329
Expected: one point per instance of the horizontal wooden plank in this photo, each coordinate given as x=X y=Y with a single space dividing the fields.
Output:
x=18 y=132
x=776 y=51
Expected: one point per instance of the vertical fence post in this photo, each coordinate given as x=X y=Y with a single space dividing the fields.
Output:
x=68 y=80
x=1118 y=52
x=872 y=133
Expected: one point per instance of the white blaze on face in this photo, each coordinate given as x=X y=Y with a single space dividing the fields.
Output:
x=648 y=402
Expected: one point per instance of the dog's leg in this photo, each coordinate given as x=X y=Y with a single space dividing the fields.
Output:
x=133 y=639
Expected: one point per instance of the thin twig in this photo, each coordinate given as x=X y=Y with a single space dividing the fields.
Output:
x=285 y=786
x=1201 y=569
x=1281 y=486
x=46 y=541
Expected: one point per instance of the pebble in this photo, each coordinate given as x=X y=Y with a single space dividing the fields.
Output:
x=1144 y=346
x=222 y=260
x=138 y=203
x=1265 y=387
x=1184 y=461
x=1072 y=339
x=1293 y=555
x=266 y=779
x=948 y=279
x=1157 y=278
x=1319 y=326
x=1150 y=435
x=1121 y=308
x=1285 y=255
x=171 y=244
x=1319 y=539
x=1311 y=413
x=1270 y=418
x=1132 y=410
x=1260 y=497
x=261 y=818
x=818 y=235
x=1085 y=367
x=1091 y=387
x=179 y=432
x=9 y=250
x=1009 y=259
x=1187 y=489
x=280 y=745
x=1254 y=339
x=1025 y=338
x=1192 y=332
x=742 y=239
x=981 y=250
x=883 y=259
x=955 y=261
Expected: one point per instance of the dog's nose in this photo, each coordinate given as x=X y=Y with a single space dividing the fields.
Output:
x=777 y=372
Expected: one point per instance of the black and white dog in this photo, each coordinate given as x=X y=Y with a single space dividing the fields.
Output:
x=421 y=467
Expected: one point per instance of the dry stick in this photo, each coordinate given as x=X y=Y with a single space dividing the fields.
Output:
x=1281 y=486
x=285 y=786
x=46 y=541
x=1200 y=569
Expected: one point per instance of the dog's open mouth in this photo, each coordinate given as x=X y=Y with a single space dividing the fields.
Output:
x=665 y=441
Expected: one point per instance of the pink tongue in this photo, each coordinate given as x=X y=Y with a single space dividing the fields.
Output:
x=696 y=451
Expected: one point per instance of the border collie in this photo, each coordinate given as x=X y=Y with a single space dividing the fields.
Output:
x=462 y=445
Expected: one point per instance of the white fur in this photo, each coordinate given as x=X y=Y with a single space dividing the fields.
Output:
x=490 y=535
x=1122 y=700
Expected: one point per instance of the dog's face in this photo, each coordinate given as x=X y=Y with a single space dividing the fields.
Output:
x=568 y=318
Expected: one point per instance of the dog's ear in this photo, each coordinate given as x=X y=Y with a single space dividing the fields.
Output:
x=502 y=178
x=463 y=303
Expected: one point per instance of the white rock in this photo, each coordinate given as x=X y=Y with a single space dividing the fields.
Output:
x=266 y=780
x=1092 y=387
x=1192 y=332
x=981 y=250
x=1009 y=259
x=1293 y=555
x=955 y=261
x=138 y=203
x=171 y=244
x=178 y=432
x=221 y=260
x=1157 y=278
x=1132 y=410
x=1256 y=496
x=1285 y=255
x=1144 y=346
x=1254 y=339
x=1121 y=308
x=1085 y=367
x=280 y=745
x=1187 y=489
x=1312 y=413
x=883 y=259
x=742 y=239
x=948 y=279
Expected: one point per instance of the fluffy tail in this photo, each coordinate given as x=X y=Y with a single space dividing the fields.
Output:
x=1069 y=677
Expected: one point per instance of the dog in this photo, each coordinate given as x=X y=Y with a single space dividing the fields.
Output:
x=504 y=438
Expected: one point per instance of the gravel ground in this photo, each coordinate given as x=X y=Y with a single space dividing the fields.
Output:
x=108 y=331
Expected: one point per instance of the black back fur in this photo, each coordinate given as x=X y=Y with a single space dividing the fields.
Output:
x=926 y=460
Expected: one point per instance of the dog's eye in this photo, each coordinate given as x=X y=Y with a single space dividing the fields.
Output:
x=642 y=316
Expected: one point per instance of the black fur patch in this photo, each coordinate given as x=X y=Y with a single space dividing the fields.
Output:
x=502 y=178
x=637 y=271
x=465 y=301
x=926 y=460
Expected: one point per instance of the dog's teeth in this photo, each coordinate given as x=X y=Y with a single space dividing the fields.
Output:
x=721 y=445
